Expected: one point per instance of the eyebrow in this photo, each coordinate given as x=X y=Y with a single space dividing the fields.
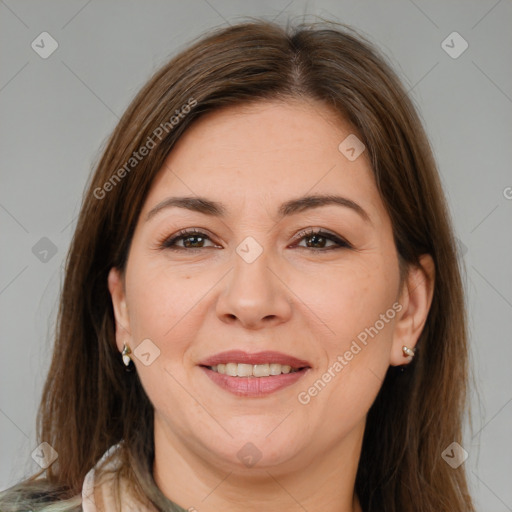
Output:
x=216 y=209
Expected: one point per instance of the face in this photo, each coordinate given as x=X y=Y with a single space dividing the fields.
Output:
x=282 y=281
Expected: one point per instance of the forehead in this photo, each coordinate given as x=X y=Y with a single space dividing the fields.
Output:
x=265 y=152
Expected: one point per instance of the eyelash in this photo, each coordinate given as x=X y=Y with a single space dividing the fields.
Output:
x=168 y=243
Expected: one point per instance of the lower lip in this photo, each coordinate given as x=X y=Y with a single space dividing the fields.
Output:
x=254 y=386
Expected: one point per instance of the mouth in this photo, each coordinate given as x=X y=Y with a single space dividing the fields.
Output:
x=253 y=375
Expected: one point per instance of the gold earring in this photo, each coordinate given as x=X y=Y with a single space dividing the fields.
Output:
x=408 y=351
x=127 y=360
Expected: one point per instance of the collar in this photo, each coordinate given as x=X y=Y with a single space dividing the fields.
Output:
x=113 y=492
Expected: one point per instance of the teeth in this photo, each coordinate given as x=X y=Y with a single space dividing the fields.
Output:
x=252 y=370
x=244 y=370
x=232 y=369
x=261 y=370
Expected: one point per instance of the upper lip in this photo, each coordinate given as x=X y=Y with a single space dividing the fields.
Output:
x=239 y=356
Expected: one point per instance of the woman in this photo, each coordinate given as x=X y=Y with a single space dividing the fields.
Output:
x=266 y=248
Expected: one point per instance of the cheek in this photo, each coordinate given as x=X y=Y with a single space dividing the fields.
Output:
x=359 y=308
x=349 y=299
x=165 y=308
x=159 y=299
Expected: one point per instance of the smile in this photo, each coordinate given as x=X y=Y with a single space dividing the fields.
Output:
x=253 y=374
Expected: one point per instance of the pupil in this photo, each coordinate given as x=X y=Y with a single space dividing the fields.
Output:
x=314 y=239
x=188 y=244
x=317 y=238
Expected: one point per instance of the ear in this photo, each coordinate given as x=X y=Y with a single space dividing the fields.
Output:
x=117 y=293
x=415 y=299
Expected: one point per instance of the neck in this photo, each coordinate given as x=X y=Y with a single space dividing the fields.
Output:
x=324 y=482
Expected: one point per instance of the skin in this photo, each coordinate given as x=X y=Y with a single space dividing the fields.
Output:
x=307 y=302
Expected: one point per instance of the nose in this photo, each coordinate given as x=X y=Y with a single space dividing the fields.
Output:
x=255 y=294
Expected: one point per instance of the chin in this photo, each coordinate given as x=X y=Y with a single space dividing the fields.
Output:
x=245 y=454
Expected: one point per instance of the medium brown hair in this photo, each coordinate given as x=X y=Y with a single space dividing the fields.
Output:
x=90 y=403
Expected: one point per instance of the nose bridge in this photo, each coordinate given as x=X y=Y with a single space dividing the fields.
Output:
x=253 y=294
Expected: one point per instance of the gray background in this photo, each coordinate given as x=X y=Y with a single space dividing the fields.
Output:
x=57 y=112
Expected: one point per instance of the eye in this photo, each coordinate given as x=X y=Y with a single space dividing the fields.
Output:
x=191 y=238
x=319 y=238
